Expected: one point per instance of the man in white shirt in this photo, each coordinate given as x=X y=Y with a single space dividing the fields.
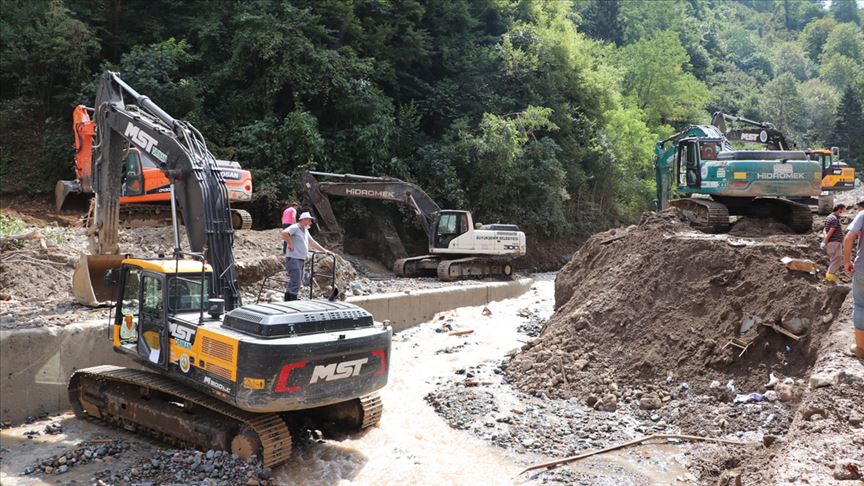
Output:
x=297 y=242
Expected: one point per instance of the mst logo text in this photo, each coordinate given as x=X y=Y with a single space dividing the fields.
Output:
x=337 y=371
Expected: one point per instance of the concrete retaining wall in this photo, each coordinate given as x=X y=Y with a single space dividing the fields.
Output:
x=406 y=309
x=35 y=364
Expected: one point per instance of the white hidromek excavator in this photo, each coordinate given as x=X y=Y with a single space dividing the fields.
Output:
x=458 y=248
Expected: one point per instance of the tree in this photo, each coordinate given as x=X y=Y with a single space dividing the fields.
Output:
x=790 y=58
x=840 y=71
x=600 y=20
x=814 y=35
x=849 y=127
x=845 y=11
x=783 y=105
x=847 y=40
x=820 y=105
x=655 y=78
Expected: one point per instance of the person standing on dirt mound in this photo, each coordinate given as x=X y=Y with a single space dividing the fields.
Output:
x=289 y=217
x=298 y=240
x=856 y=270
x=833 y=243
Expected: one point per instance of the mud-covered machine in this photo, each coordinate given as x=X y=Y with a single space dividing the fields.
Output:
x=218 y=374
x=700 y=172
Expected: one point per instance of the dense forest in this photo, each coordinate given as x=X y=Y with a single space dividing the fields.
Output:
x=543 y=113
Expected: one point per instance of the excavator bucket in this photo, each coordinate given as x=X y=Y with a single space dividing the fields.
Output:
x=64 y=189
x=88 y=281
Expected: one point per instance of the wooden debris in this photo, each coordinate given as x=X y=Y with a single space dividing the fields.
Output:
x=460 y=333
x=567 y=460
x=781 y=330
x=614 y=238
x=799 y=265
x=740 y=344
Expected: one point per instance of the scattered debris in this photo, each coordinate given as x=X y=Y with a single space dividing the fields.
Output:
x=191 y=467
x=631 y=443
x=748 y=398
x=461 y=333
x=84 y=453
x=799 y=265
x=845 y=470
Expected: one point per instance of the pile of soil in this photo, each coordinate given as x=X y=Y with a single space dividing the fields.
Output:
x=660 y=302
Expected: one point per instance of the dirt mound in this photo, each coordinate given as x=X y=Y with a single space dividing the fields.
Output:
x=658 y=300
x=36 y=273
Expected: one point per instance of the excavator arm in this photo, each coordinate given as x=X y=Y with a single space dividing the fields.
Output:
x=380 y=188
x=762 y=132
x=197 y=185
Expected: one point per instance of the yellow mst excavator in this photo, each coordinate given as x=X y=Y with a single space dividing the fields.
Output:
x=219 y=374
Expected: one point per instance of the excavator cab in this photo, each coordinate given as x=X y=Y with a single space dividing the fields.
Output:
x=133 y=179
x=152 y=294
x=449 y=226
x=693 y=155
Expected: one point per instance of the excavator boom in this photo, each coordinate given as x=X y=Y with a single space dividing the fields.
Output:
x=126 y=118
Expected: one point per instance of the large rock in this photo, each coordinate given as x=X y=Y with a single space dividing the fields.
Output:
x=650 y=402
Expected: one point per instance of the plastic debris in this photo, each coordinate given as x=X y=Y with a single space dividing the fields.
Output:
x=748 y=398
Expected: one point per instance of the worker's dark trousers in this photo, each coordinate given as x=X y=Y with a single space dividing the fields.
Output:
x=294 y=267
x=284 y=243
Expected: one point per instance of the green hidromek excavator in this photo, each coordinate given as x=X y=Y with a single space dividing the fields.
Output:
x=700 y=172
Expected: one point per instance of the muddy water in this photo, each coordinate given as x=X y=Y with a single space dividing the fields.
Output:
x=413 y=445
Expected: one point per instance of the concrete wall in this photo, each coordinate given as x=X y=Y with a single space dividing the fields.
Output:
x=406 y=309
x=35 y=364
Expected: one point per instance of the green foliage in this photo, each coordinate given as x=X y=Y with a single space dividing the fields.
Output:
x=814 y=35
x=655 y=77
x=783 y=104
x=820 y=103
x=11 y=226
x=542 y=113
x=789 y=57
x=845 y=40
x=848 y=133
x=841 y=71
x=846 y=11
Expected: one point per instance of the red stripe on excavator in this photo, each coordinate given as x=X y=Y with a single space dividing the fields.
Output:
x=282 y=383
x=380 y=354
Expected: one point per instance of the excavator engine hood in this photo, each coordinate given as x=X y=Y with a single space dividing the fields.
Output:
x=307 y=354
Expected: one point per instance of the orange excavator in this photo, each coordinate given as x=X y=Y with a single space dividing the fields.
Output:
x=146 y=191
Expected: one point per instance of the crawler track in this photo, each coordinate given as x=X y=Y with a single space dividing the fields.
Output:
x=473 y=267
x=143 y=401
x=704 y=214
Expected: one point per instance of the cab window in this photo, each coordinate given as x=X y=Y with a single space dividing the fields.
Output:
x=147 y=162
x=152 y=311
x=129 y=307
x=447 y=224
x=708 y=151
x=184 y=294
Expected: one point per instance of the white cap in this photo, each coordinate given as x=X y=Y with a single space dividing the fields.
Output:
x=305 y=215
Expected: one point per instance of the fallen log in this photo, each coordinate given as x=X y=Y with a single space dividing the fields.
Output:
x=633 y=442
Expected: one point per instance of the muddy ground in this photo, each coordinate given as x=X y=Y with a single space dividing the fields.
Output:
x=35 y=272
x=452 y=416
x=636 y=347
x=633 y=339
